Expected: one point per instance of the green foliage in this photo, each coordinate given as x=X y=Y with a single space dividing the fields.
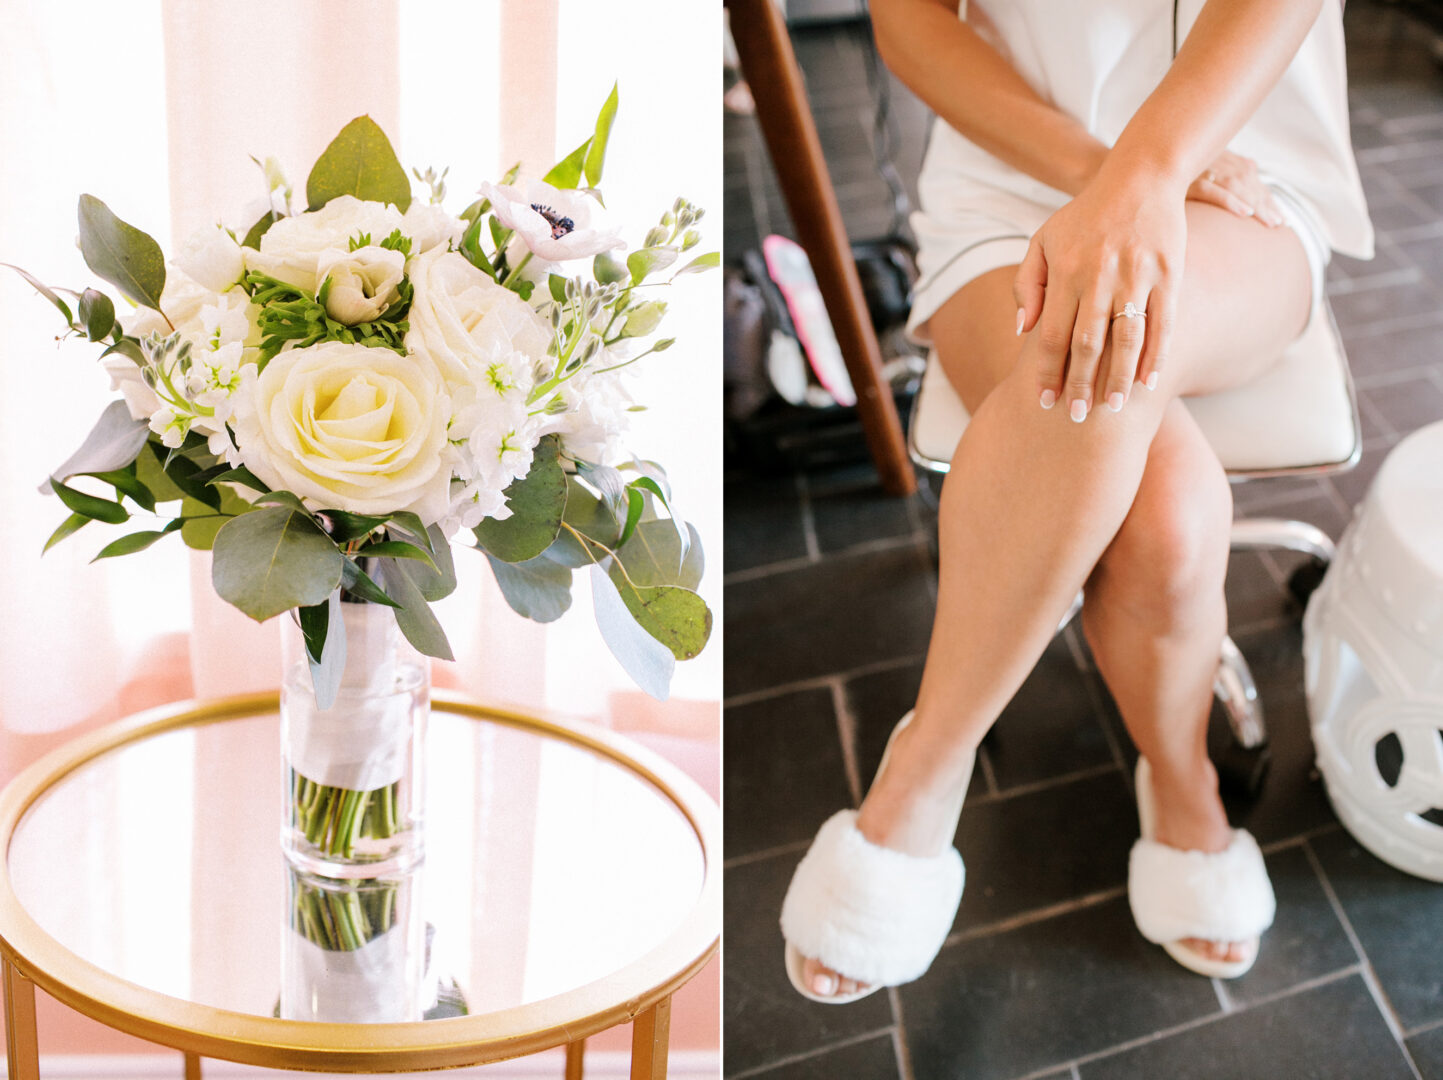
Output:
x=710 y=261
x=120 y=253
x=415 y=617
x=648 y=260
x=149 y=472
x=259 y=229
x=45 y=291
x=537 y=503
x=566 y=173
x=676 y=617
x=97 y=314
x=113 y=443
x=272 y=560
x=649 y=663
x=289 y=315
x=69 y=527
x=136 y=541
x=596 y=153
x=608 y=269
x=91 y=506
x=538 y=589
x=361 y=162
x=201 y=522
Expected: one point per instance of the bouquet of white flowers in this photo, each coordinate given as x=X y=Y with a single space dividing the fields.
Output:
x=329 y=396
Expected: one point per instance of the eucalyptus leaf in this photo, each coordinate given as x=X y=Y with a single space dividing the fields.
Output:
x=396 y=549
x=676 y=617
x=113 y=443
x=131 y=543
x=596 y=154
x=45 y=291
x=566 y=173
x=537 y=503
x=649 y=663
x=123 y=255
x=191 y=479
x=438 y=580
x=204 y=521
x=538 y=589
x=361 y=162
x=710 y=261
x=589 y=516
x=128 y=348
x=92 y=506
x=69 y=527
x=344 y=526
x=358 y=583
x=125 y=482
x=260 y=228
x=414 y=616
x=274 y=559
x=244 y=477
x=654 y=556
x=97 y=314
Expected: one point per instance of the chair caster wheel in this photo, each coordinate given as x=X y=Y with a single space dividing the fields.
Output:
x=1304 y=581
x=1241 y=769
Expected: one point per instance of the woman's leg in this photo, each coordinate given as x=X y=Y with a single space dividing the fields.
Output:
x=1033 y=500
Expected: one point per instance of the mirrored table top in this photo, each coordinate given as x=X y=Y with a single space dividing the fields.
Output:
x=557 y=860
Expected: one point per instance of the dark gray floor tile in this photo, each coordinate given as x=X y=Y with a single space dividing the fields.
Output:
x=1384 y=301
x=784 y=774
x=1426 y=254
x=1306 y=940
x=763 y=523
x=1397 y=919
x=1252 y=594
x=1394 y=215
x=1041 y=848
x=1353 y=485
x=1386 y=260
x=1049 y=728
x=1427 y=1051
x=870 y=1059
x=858 y=515
x=1291 y=801
x=833 y=616
x=1408 y=403
x=1333 y=1032
x=1253 y=497
x=998 y=1007
x=1392 y=350
x=765 y=1019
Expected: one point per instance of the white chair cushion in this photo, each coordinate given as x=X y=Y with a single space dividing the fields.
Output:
x=1298 y=414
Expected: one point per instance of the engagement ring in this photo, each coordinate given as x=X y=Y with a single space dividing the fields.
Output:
x=1130 y=311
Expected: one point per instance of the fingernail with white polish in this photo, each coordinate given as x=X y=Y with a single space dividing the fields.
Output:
x=1049 y=398
x=1151 y=383
x=1021 y=318
x=824 y=984
x=1115 y=401
x=1078 y=411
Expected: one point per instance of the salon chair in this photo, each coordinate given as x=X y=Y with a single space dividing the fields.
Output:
x=1300 y=418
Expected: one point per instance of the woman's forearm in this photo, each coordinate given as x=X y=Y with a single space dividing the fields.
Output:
x=975 y=90
x=1233 y=56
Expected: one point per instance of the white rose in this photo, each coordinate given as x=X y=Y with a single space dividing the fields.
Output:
x=459 y=317
x=554 y=223
x=213 y=258
x=348 y=427
x=182 y=300
x=428 y=225
x=291 y=247
x=363 y=282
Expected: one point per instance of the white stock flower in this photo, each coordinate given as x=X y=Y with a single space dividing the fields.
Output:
x=125 y=376
x=494 y=433
x=293 y=246
x=363 y=282
x=555 y=224
x=459 y=317
x=595 y=418
x=428 y=226
x=348 y=427
x=211 y=257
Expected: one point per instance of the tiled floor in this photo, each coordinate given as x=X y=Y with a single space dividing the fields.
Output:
x=830 y=587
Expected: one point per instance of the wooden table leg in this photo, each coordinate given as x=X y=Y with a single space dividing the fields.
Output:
x=575 y=1053
x=650 y=1036
x=22 y=1046
x=767 y=59
x=192 y=1066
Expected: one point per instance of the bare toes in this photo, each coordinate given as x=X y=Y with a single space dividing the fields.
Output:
x=824 y=982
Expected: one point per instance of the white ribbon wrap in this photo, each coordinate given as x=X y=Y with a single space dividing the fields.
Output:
x=375 y=984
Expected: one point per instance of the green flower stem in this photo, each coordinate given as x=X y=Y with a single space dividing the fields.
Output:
x=342 y=920
x=513 y=271
x=336 y=819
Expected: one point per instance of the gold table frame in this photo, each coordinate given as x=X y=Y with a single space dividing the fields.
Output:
x=639 y=993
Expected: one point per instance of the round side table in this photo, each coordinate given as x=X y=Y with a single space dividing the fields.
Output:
x=572 y=883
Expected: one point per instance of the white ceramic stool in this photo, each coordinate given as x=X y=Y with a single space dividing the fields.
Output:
x=1373 y=662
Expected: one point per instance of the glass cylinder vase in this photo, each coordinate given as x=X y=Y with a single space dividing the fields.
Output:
x=353 y=772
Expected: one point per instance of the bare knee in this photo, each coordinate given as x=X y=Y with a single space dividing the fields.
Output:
x=1166 y=566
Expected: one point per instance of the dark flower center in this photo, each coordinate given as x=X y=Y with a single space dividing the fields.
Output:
x=560 y=225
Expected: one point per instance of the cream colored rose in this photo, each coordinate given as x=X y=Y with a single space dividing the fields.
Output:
x=292 y=246
x=459 y=318
x=363 y=282
x=348 y=427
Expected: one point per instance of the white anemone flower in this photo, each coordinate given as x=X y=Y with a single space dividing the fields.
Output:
x=555 y=224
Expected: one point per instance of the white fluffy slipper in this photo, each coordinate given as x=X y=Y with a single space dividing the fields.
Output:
x=1214 y=896
x=874 y=914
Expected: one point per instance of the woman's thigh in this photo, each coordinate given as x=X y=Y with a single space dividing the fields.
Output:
x=1246 y=293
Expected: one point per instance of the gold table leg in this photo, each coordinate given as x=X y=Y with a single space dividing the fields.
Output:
x=575 y=1052
x=192 y=1066
x=22 y=1047
x=650 y=1035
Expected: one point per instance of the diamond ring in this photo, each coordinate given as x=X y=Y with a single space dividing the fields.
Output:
x=1130 y=311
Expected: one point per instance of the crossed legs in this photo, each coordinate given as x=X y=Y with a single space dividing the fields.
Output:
x=1133 y=504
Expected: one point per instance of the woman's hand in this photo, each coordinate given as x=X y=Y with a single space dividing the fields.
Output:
x=1232 y=182
x=1121 y=241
